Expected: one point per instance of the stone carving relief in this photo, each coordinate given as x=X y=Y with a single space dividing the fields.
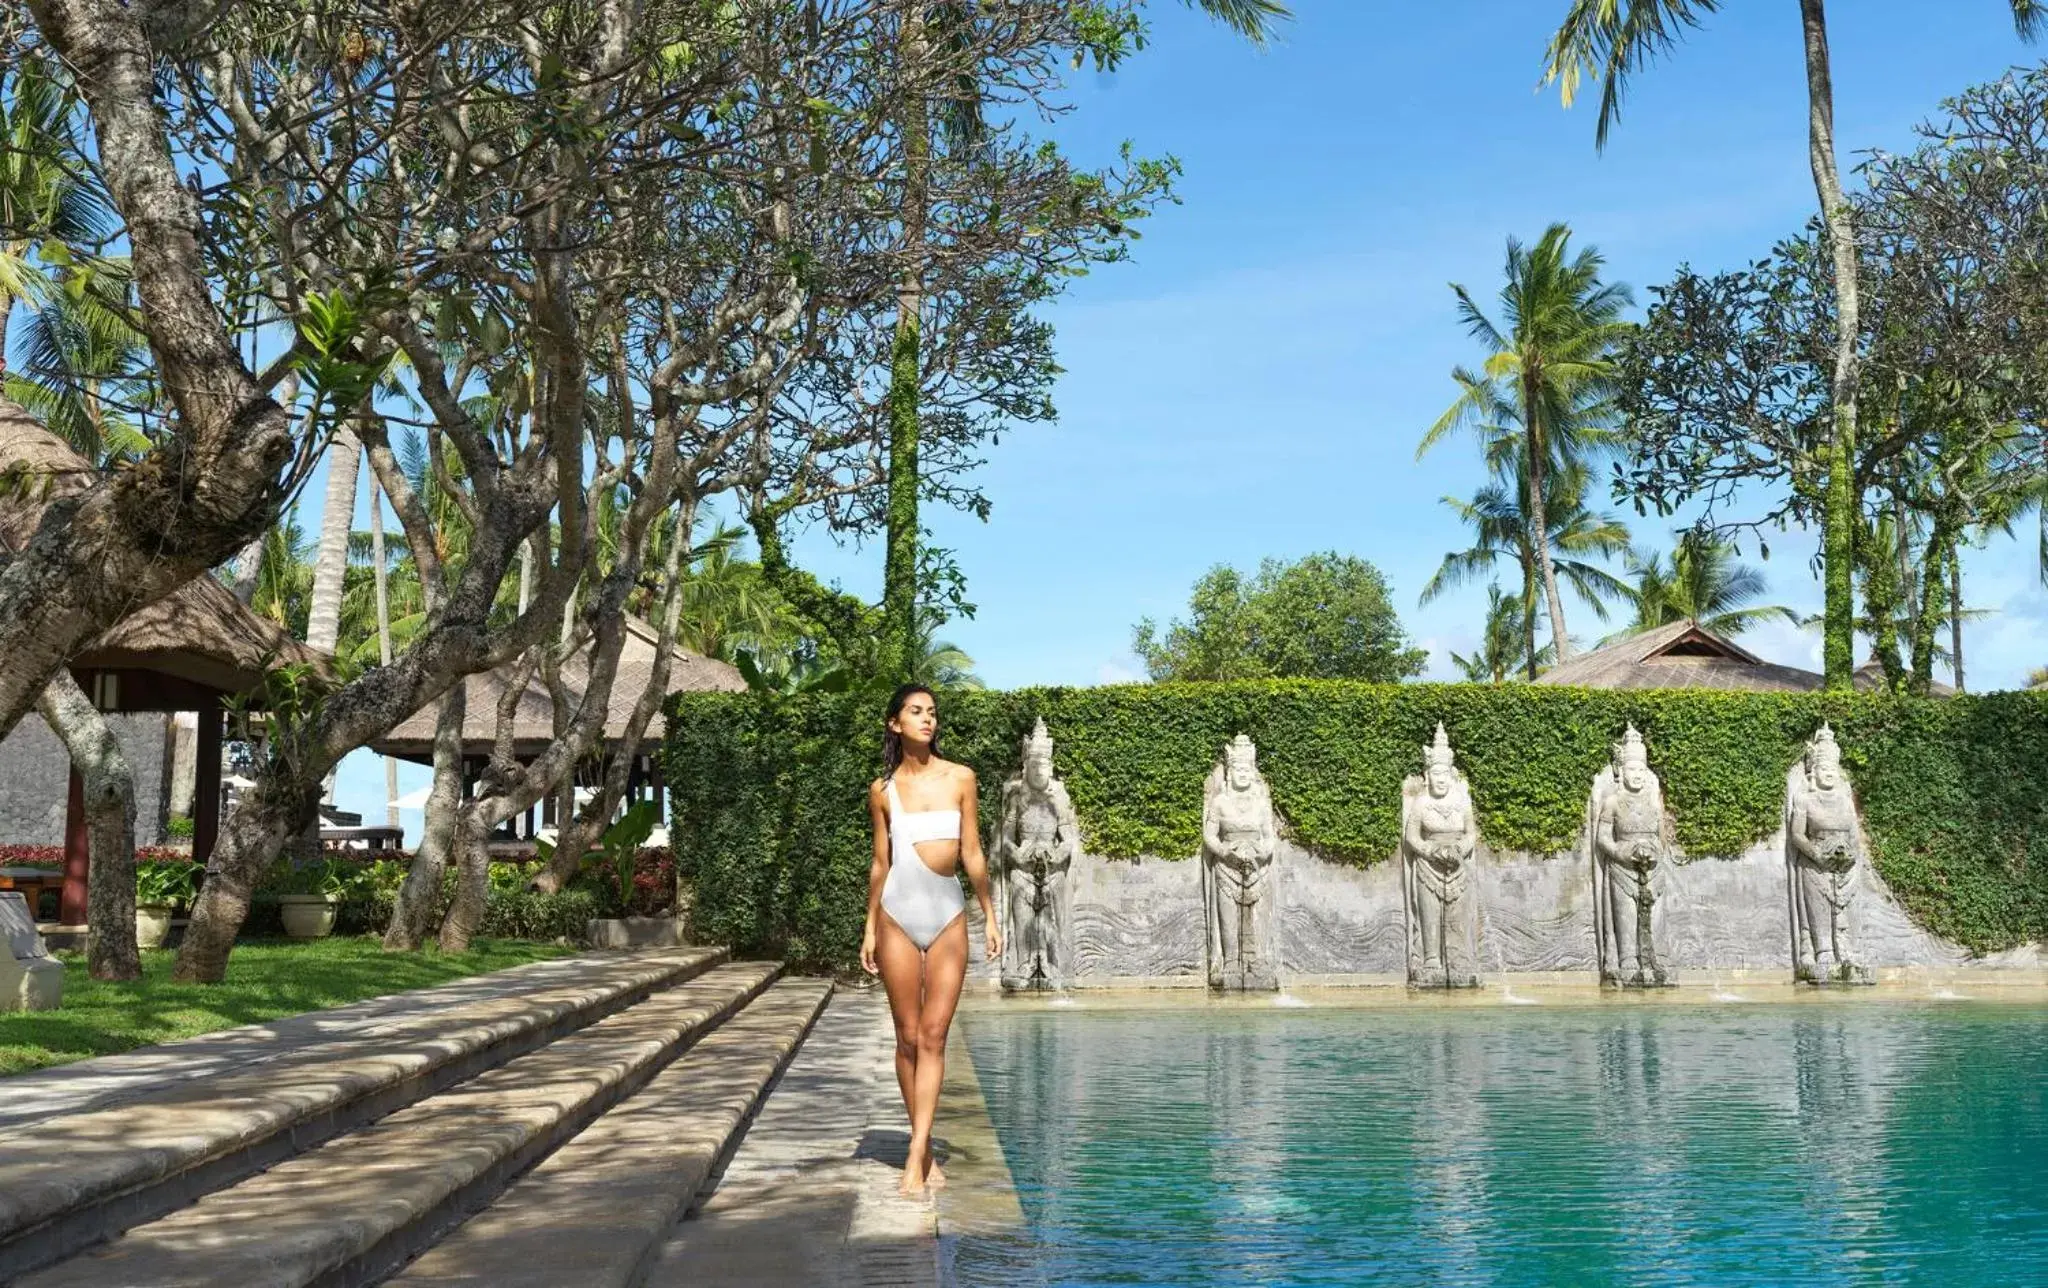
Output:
x=1034 y=849
x=1823 y=852
x=1239 y=838
x=1439 y=833
x=1628 y=836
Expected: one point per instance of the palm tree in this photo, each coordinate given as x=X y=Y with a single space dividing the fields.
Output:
x=1611 y=39
x=1575 y=537
x=1500 y=650
x=48 y=203
x=1549 y=373
x=1702 y=582
x=942 y=665
x=82 y=362
x=284 y=577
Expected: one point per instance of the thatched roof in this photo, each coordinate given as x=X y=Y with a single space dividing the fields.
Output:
x=1686 y=655
x=199 y=632
x=534 y=723
x=1683 y=655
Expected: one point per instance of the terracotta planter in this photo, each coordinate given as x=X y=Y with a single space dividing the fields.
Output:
x=307 y=916
x=152 y=924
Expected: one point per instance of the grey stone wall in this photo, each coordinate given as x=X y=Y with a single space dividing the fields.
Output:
x=35 y=779
x=1140 y=921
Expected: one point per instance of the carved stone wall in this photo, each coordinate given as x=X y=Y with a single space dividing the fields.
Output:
x=1140 y=922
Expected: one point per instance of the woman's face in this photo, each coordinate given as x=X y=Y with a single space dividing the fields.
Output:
x=918 y=721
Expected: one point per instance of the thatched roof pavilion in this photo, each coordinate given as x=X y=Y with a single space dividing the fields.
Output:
x=534 y=720
x=1686 y=655
x=184 y=652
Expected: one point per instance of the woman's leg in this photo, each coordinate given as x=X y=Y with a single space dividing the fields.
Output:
x=902 y=967
x=945 y=971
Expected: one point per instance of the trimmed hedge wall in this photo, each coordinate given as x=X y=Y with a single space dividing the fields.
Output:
x=771 y=830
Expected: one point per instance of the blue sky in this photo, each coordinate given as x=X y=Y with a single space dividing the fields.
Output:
x=1254 y=383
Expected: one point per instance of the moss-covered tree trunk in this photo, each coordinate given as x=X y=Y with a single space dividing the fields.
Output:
x=899 y=573
x=1934 y=606
x=1838 y=532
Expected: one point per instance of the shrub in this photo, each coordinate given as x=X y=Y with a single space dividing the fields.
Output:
x=770 y=829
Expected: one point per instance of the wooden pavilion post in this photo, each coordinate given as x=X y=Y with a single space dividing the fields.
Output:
x=206 y=783
x=71 y=908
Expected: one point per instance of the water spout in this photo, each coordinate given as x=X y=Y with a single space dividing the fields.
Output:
x=1289 y=999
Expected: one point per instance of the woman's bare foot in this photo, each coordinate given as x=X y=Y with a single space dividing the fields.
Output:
x=914 y=1180
x=934 y=1175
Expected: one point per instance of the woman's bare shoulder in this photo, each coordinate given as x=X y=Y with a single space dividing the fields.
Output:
x=877 y=788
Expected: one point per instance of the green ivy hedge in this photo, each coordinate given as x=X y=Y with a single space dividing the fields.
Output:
x=771 y=832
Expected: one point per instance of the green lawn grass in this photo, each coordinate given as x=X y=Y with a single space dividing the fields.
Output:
x=266 y=979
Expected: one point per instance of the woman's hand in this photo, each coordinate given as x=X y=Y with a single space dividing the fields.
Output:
x=867 y=952
x=993 y=938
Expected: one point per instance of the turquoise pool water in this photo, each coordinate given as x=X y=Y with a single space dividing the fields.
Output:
x=1837 y=1143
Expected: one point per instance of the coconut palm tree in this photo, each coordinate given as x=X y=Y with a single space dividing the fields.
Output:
x=1609 y=40
x=1546 y=378
x=942 y=665
x=1702 y=581
x=49 y=206
x=1500 y=653
x=1575 y=538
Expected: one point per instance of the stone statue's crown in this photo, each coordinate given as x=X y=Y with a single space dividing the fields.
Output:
x=1823 y=749
x=1438 y=752
x=1631 y=750
x=1240 y=751
x=1038 y=743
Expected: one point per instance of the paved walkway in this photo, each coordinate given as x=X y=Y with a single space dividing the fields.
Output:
x=110 y=1080
x=810 y=1197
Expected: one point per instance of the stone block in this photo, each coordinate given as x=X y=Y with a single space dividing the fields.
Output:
x=633 y=932
x=29 y=980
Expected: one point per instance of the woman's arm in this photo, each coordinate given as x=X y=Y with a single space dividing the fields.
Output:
x=878 y=872
x=976 y=862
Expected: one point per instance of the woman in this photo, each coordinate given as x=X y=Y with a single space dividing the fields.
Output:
x=916 y=936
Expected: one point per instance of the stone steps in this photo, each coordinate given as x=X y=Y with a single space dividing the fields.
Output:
x=356 y=1208
x=595 y=1212
x=76 y=1178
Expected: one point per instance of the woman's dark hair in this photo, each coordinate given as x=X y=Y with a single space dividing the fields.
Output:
x=892 y=742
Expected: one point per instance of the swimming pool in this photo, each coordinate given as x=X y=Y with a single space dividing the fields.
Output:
x=1859 y=1141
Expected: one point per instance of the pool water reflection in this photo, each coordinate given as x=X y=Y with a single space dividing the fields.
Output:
x=1844 y=1143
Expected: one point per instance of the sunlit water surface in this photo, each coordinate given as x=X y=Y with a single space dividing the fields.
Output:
x=1844 y=1143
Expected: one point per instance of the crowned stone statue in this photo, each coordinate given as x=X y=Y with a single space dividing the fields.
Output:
x=1823 y=847
x=1439 y=833
x=1038 y=839
x=1627 y=837
x=1239 y=838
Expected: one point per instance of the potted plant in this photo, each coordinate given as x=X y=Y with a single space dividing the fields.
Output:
x=160 y=886
x=308 y=897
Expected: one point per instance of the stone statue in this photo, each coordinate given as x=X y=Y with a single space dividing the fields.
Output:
x=30 y=979
x=1822 y=848
x=1035 y=847
x=1239 y=838
x=1627 y=837
x=1439 y=832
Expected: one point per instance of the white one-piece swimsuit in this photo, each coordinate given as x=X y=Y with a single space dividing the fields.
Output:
x=915 y=897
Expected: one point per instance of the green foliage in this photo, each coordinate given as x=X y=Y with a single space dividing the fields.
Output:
x=180 y=826
x=1323 y=617
x=165 y=882
x=771 y=832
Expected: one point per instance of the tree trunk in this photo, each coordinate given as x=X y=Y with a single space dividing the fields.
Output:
x=96 y=754
x=899 y=572
x=472 y=885
x=1529 y=610
x=417 y=898
x=1539 y=527
x=105 y=548
x=6 y=314
x=1878 y=555
x=1933 y=606
x=1838 y=536
x=337 y=521
x=276 y=810
x=380 y=583
x=1955 y=616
